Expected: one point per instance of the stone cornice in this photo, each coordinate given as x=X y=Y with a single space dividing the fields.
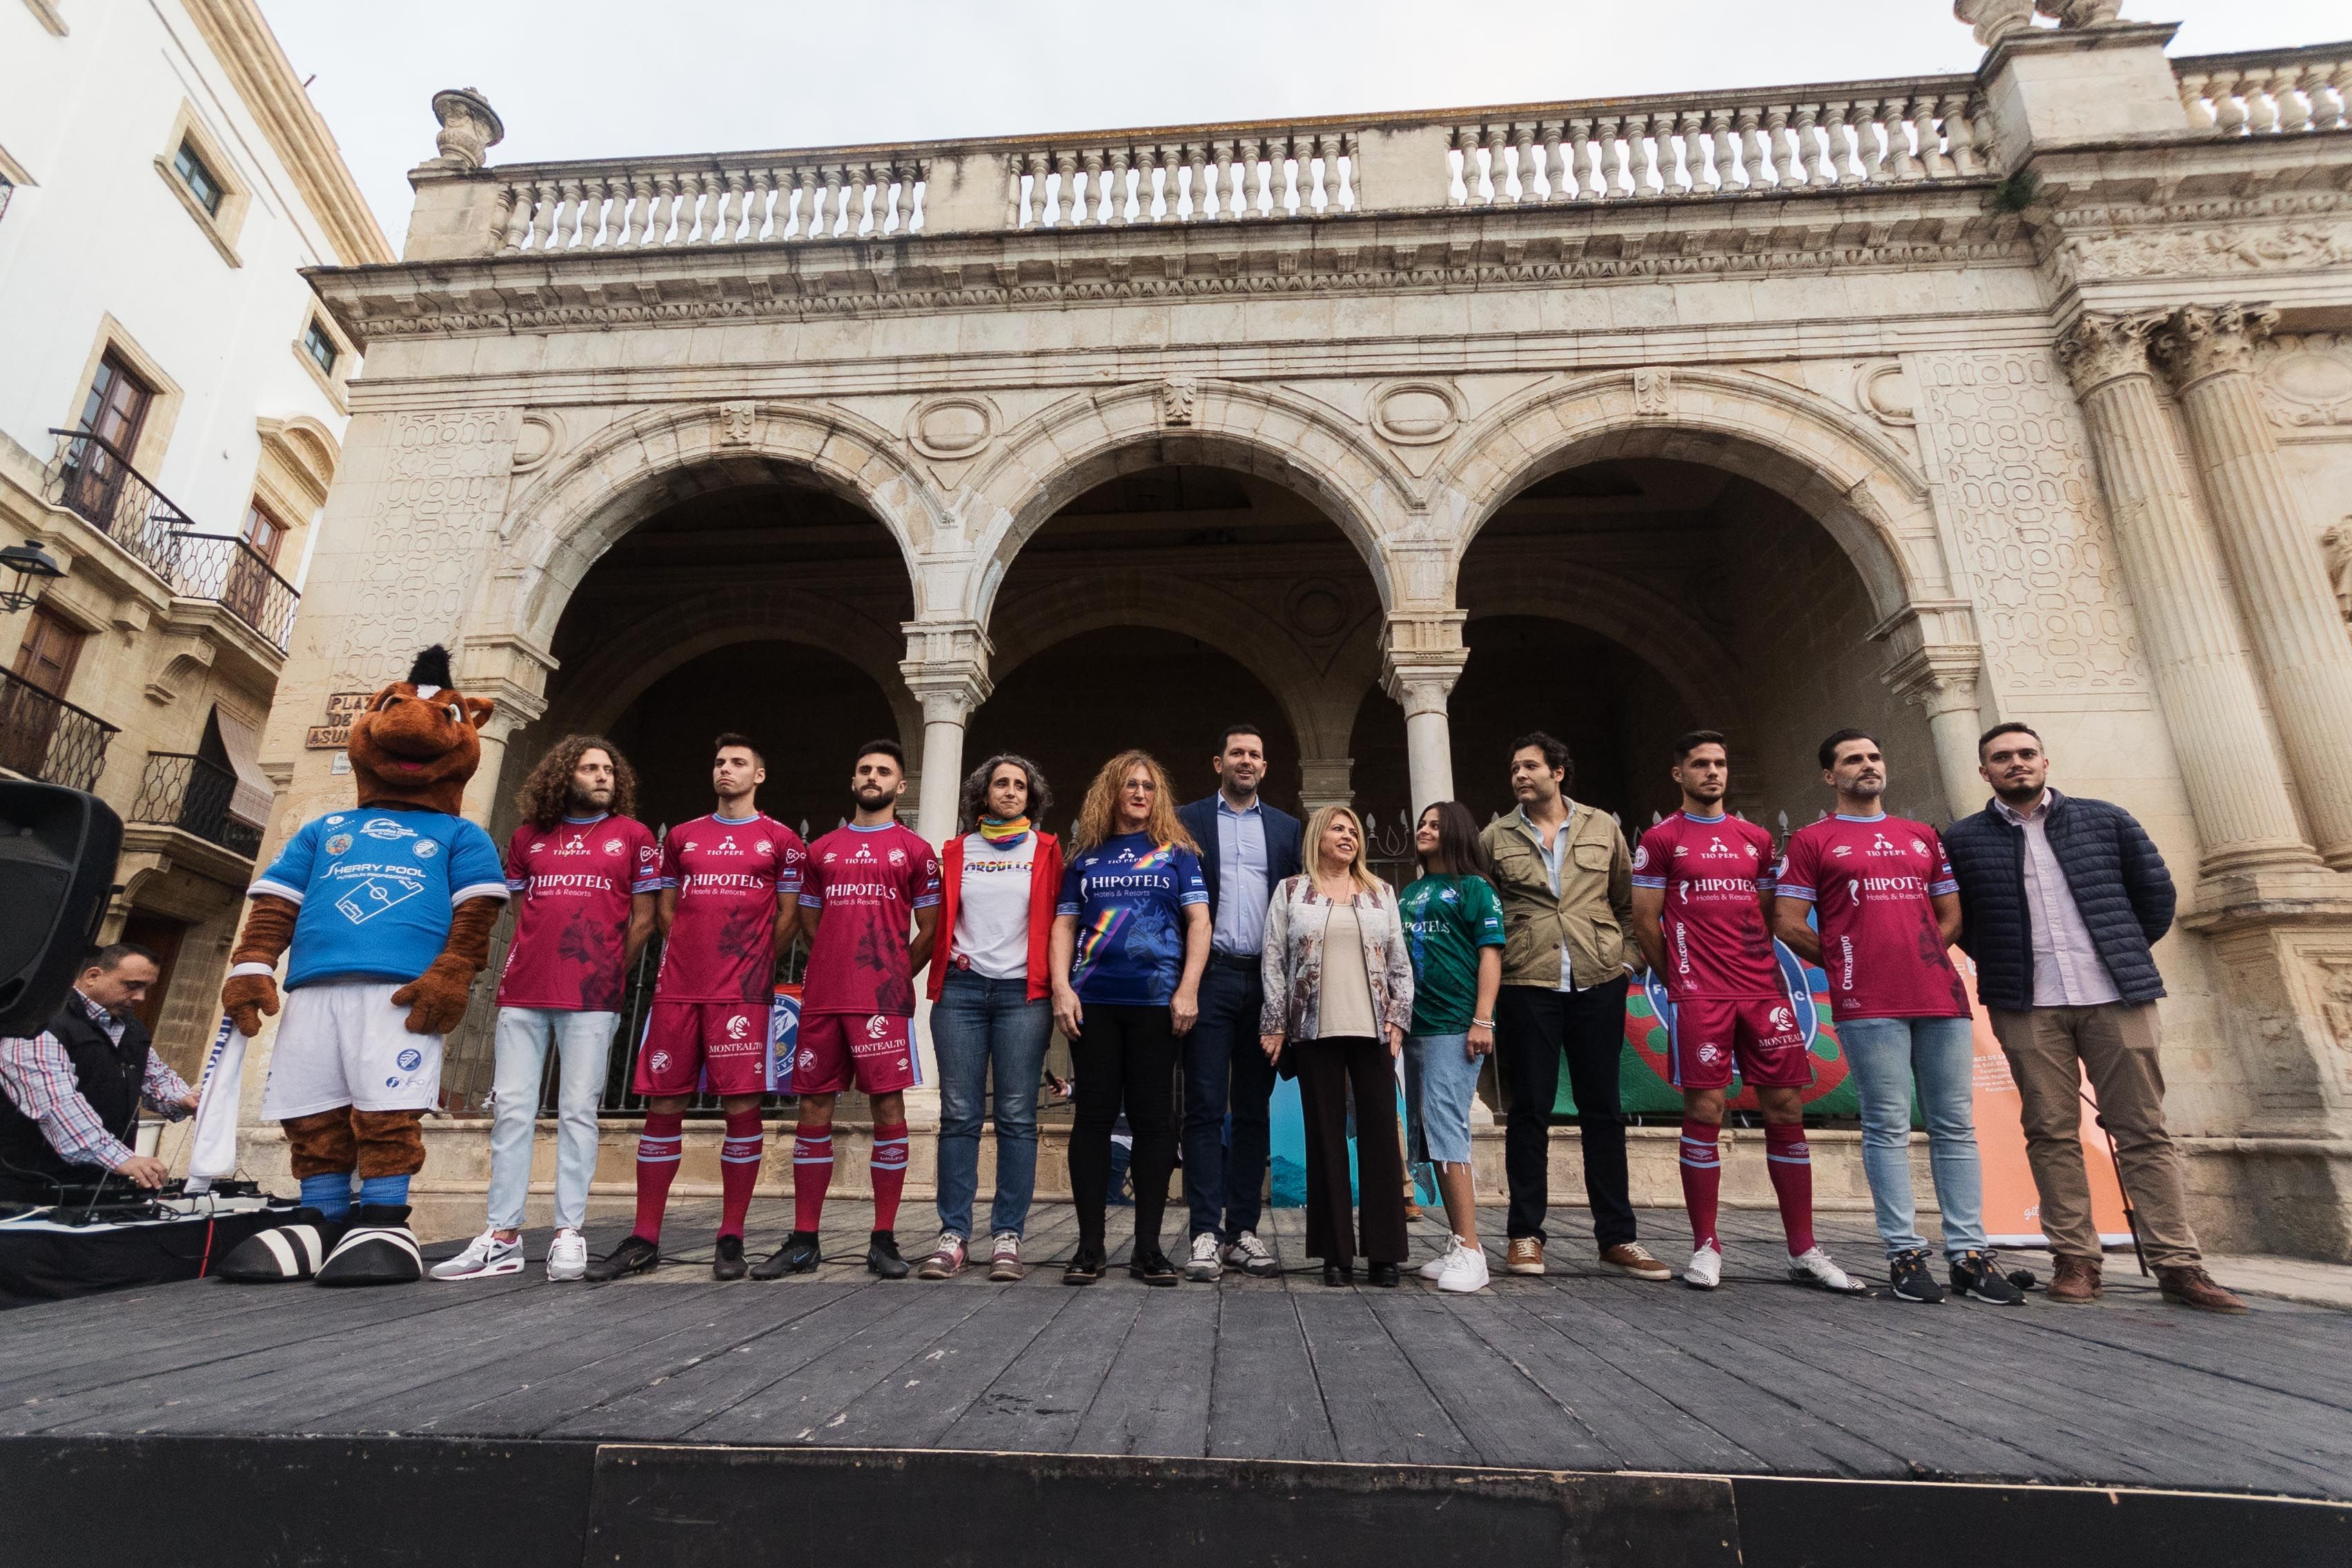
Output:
x=1448 y=250
x=241 y=41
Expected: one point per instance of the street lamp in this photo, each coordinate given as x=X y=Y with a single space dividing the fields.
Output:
x=30 y=564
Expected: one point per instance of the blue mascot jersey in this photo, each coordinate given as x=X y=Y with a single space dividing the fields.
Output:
x=375 y=887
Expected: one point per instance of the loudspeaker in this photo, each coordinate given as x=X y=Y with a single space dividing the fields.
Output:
x=57 y=864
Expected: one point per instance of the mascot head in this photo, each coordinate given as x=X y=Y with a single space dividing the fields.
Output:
x=419 y=740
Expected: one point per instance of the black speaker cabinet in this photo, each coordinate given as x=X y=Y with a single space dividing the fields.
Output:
x=56 y=866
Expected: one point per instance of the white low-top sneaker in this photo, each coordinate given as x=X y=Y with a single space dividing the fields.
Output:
x=485 y=1257
x=1202 y=1266
x=1706 y=1269
x=1465 y=1270
x=567 y=1256
x=1250 y=1255
x=1812 y=1267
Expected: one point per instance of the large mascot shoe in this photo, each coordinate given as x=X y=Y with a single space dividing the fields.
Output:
x=283 y=1253
x=379 y=1249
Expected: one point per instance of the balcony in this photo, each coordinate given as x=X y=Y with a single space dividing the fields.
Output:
x=214 y=566
x=48 y=738
x=180 y=790
x=96 y=482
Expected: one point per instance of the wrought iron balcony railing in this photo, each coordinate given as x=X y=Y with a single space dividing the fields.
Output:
x=45 y=737
x=95 y=481
x=187 y=792
x=214 y=566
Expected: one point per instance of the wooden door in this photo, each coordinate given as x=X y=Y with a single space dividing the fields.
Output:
x=45 y=660
x=114 y=411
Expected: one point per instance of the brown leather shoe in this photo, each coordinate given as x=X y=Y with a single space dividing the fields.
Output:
x=2073 y=1281
x=1525 y=1256
x=2189 y=1285
x=1636 y=1259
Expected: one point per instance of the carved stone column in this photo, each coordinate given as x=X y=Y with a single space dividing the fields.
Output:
x=2284 y=594
x=1325 y=781
x=950 y=684
x=1943 y=681
x=2205 y=680
x=1421 y=658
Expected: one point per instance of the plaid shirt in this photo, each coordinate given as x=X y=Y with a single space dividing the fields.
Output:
x=39 y=1078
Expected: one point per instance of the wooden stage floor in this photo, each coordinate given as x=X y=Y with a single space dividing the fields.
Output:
x=1583 y=1370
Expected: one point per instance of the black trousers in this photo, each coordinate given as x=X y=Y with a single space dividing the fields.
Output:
x=1534 y=1028
x=1328 y=1070
x=1123 y=1057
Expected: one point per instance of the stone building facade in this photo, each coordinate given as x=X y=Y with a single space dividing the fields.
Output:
x=1916 y=404
x=172 y=398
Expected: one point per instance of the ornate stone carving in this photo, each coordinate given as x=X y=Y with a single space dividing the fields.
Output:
x=1416 y=413
x=2080 y=13
x=2203 y=339
x=2096 y=349
x=1653 y=394
x=2175 y=253
x=2005 y=446
x=2307 y=380
x=1880 y=391
x=950 y=430
x=2336 y=545
x=469 y=127
x=1993 y=21
x=444 y=486
x=1178 y=394
x=736 y=423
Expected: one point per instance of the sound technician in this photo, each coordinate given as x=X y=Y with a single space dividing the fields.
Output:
x=70 y=1109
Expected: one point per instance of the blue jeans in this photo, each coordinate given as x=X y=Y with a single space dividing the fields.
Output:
x=977 y=1024
x=581 y=1042
x=1225 y=1069
x=1889 y=1057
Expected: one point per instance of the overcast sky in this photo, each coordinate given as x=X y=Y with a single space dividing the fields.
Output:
x=586 y=79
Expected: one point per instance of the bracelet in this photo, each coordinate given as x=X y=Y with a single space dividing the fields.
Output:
x=1482 y=1023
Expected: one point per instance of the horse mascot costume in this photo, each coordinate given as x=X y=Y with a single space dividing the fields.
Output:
x=383 y=915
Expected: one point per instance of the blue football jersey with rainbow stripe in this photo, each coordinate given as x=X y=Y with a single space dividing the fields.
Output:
x=1129 y=894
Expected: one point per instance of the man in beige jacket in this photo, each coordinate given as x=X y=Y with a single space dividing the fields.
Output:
x=1567 y=887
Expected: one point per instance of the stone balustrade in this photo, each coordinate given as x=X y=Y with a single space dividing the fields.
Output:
x=1845 y=136
x=1851 y=134
x=737 y=199
x=2267 y=92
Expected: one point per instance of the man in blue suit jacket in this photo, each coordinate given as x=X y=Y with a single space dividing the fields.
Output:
x=1246 y=848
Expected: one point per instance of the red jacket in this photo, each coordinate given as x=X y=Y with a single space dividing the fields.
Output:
x=1045 y=889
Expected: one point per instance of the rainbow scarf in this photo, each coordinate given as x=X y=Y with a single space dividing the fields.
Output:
x=1004 y=835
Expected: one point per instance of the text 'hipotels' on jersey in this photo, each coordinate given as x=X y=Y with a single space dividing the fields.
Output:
x=376 y=888
x=1446 y=920
x=1716 y=871
x=1128 y=895
x=868 y=882
x=1871 y=882
x=721 y=945
x=572 y=884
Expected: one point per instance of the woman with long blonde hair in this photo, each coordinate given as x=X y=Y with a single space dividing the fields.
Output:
x=1339 y=991
x=1130 y=938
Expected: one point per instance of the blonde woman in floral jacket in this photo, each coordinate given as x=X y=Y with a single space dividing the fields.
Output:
x=1339 y=991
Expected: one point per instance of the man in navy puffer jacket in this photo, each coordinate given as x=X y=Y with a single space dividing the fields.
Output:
x=2061 y=900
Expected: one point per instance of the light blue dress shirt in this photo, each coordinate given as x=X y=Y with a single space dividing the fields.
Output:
x=1243 y=888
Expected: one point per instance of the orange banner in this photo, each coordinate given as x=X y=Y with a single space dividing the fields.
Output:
x=2012 y=1208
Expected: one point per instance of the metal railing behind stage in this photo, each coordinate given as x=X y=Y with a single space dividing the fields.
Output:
x=186 y=792
x=45 y=737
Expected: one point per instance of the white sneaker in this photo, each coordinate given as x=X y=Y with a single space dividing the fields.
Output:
x=567 y=1256
x=485 y=1257
x=1465 y=1270
x=1705 y=1271
x=1812 y=1267
x=1436 y=1266
x=1202 y=1266
x=1252 y=1257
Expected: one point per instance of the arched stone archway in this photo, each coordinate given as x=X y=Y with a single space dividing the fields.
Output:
x=1088 y=438
x=1678 y=645
x=1858 y=483
x=564 y=520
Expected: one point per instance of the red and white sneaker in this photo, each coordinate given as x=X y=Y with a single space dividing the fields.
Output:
x=945 y=1260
